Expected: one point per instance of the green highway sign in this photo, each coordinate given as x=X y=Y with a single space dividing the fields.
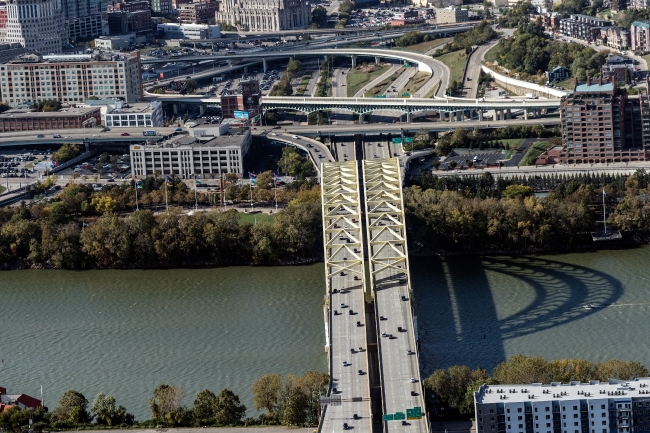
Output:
x=379 y=96
x=388 y=417
x=415 y=413
x=408 y=140
x=399 y=415
x=397 y=140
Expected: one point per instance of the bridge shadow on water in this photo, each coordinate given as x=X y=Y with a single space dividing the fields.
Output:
x=456 y=304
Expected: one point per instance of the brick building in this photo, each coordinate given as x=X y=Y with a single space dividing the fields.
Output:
x=247 y=99
x=640 y=36
x=601 y=123
x=71 y=118
x=201 y=12
x=129 y=21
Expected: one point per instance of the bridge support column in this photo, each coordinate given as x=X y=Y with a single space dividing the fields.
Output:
x=354 y=61
x=377 y=59
x=451 y=116
x=202 y=109
x=362 y=119
x=459 y=116
x=508 y=114
x=175 y=108
x=480 y=115
x=525 y=114
x=264 y=64
x=409 y=117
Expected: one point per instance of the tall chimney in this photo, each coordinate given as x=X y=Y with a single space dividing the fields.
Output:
x=575 y=82
x=588 y=81
x=600 y=80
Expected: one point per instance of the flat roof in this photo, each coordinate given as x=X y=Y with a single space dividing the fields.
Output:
x=595 y=87
x=219 y=141
x=138 y=107
x=563 y=391
x=17 y=113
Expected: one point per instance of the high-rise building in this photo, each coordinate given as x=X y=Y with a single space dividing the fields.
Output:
x=36 y=24
x=616 y=406
x=265 y=15
x=601 y=123
x=161 y=7
x=640 y=36
x=71 y=79
x=200 y=12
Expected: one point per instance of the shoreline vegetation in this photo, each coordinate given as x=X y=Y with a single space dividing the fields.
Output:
x=287 y=400
x=86 y=229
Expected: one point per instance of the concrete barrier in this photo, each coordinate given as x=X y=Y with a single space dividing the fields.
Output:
x=521 y=87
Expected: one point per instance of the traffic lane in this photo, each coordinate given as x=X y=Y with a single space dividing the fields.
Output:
x=482 y=158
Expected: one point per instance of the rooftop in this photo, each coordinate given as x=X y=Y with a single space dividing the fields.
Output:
x=142 y=107
x=563 y=391
x=595 y=87
x=227 y=140
x=645 y=24
x=18 y=113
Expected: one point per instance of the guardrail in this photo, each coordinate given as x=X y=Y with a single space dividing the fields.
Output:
x=67 y=164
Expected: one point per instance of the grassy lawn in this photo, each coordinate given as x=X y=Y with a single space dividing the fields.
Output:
x=567 y=84
x=415 y=82
x=381 y=88
x=2 y=189
x=456 y=62
x=491 y=54
x=359 y=77
x=433 y=91
x=535 y=150
x=513 y=143
x=423 y=47
x=259 y=217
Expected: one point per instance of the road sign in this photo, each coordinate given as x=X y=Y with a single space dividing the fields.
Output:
x=398 y=416
x=415 y=413
x=397 y=140
x=388 y=417
x=408 y=140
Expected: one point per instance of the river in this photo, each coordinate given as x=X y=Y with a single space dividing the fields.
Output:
x=125 y=332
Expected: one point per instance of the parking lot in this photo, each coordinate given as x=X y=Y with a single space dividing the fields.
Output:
x=462 y=158
x=21 y=163
x=101 y=168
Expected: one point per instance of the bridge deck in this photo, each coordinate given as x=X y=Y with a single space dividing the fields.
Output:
x=343 y=239
x=390 y=279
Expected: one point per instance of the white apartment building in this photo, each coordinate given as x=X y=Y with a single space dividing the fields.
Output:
x=71 y=79
x=37 y=25
x=188 y=156
x=450 y=15
x=265 y=15
x=190 y=31
x=617 y=406
x=139 y=115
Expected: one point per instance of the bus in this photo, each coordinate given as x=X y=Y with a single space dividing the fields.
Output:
x=148 y=133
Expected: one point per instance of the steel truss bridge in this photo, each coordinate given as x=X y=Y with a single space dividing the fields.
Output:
x=391 y=325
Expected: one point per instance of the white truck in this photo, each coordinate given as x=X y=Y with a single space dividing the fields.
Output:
x=531 y=96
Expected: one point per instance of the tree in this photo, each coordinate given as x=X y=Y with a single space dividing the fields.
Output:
x=166 y=400
x=203 y=409
x=459 y=137
x=191 y=86
x=66 y=152
x=346 y=7
x=228 y=410
x=266 y=392
x=513 y=191
x=319 y=16
x=293 y=66
x=72 y=409
x=108 y=413
x=48 y=105
x=409 y=38
x=265 y=180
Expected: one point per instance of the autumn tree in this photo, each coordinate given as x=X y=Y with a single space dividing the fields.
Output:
x=72 y=409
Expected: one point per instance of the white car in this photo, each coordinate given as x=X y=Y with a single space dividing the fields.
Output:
x=95 y=135
x=295 y=137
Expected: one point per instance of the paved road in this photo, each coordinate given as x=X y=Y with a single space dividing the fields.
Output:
x=470 y=88
x=400 y=372
x=520 y=153
x=340 y=89
x=612 y=169
x=344 y=270
x=78 y=135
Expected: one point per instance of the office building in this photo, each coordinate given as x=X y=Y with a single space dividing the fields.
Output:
x=451 y=14
x=37 y=25
x=139 y=115
x=189 y=31
x=601 y=123
x=129 y=21
x=640 y=36
x=201 y=12
x=616 y=406
x=583 y=27
x=71 y=78
x=3 y=21
x=84 y=27
x=244 y=102
x=29 y=120
x=265 y=15
x=161 y=7
x=190 y=156
x=119 y=42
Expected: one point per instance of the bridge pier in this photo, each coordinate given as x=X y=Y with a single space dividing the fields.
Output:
x=525 y=114
x=480 y=115
x=377 y=59
x=176 y=108
x=508 y=114
x=354 y=61
x=409 y=117
x=459 y=116
x=264 y=64
x=362 y=119
x=202 y=109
